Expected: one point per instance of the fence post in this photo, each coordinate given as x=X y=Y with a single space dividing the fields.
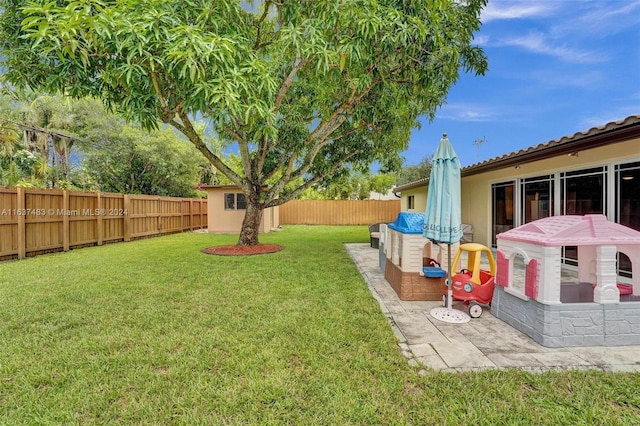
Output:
x=126 y=225
x=191 y=215
x=158 y=215
x=22 y=229
x=66 y=230
x=100 y=211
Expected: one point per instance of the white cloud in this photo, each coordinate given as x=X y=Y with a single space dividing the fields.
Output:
x=576 y=78
x=539 y=43
x=515 y=10
x=467 y=112
x=481 y=40
x=563 y=29
x=621 y=107
x=605 y=18
x=607 y=116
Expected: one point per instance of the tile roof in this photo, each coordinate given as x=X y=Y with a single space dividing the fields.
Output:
x=410 y=185
x=612 y=132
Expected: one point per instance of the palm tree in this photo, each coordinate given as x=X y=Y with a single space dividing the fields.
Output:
x=9 y=140
x=44 y=122
x=49 y=117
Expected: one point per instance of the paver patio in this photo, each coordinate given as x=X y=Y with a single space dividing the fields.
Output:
x=482 y=343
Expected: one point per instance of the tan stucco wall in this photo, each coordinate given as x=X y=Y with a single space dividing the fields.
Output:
x=420 y=201
x=230 y=221
x=476 y=189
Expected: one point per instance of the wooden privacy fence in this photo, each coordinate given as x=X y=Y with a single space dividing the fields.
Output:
x=35 y=221
x=338 y=212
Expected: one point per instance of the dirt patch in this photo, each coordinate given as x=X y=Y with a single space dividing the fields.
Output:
x=236 y=250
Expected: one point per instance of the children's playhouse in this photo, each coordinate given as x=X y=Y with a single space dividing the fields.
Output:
x=407 y=253
x=534 y=294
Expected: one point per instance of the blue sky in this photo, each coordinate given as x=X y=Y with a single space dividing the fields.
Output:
x=555 y=68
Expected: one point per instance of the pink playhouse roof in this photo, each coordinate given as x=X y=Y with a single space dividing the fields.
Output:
x=554 y=231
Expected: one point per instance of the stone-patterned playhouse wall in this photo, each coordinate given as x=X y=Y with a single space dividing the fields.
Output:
x=589 y=312
x=570 y=324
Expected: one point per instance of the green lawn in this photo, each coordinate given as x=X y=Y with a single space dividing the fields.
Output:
x=156 y=332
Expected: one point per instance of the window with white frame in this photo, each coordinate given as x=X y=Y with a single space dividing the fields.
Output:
x=235 y=201
x=611 y=189
x=503 y=207
x=627 y=206
x=582 y=192
x=536 y=195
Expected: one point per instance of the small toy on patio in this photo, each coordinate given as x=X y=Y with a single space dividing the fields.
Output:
x=433 y=269
x=473 y=285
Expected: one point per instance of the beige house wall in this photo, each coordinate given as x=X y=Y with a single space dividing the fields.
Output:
x=420 y=199
x=476 y=189
x=223 y=221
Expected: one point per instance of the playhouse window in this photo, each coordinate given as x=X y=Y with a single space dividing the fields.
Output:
x=235 y=201
x=518 y=271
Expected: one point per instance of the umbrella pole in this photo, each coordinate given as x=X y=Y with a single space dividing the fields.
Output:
x=447 y=313
x=449 y=283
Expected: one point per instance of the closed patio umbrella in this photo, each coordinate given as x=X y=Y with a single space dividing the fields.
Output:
x=442 y=221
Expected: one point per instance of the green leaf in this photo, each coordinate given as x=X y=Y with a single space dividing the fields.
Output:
x=370 y=70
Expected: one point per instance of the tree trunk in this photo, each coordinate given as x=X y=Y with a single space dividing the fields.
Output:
x=251 y=225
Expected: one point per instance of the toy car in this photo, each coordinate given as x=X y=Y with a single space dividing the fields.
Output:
x=473 y=285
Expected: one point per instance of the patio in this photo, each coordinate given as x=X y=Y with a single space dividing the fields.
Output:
x=483 y=343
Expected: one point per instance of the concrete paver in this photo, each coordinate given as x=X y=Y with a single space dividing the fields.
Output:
x=482 y=343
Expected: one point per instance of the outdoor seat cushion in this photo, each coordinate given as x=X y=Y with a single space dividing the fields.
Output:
x=375 y=235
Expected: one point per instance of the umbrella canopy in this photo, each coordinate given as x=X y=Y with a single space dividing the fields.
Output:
x=442 y=221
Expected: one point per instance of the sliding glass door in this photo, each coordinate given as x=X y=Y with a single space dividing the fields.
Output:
x=582 y=192
x=627 y=187
x=503 y=208
x=537 y=198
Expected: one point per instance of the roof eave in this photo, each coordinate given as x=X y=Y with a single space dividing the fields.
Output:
x=613 y=132
x=564 y=146
x=411 y=185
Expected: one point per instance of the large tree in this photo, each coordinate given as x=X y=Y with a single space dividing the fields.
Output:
x=131 y=161
x=304 y=88
x=413 y=173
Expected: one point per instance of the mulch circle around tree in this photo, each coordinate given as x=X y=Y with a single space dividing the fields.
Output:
x=236 y=250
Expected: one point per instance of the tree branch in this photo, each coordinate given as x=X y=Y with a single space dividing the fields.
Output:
x=233 y=133
x=186 y=128
x=245 y=155
x=168 y=114
x=263 y=150
x=272 y=201
x=265 y=12
x=286 y=176
x=272 y=173
x=325 y=129
x=298 y=64
x=156 y=86
x=354 y=130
